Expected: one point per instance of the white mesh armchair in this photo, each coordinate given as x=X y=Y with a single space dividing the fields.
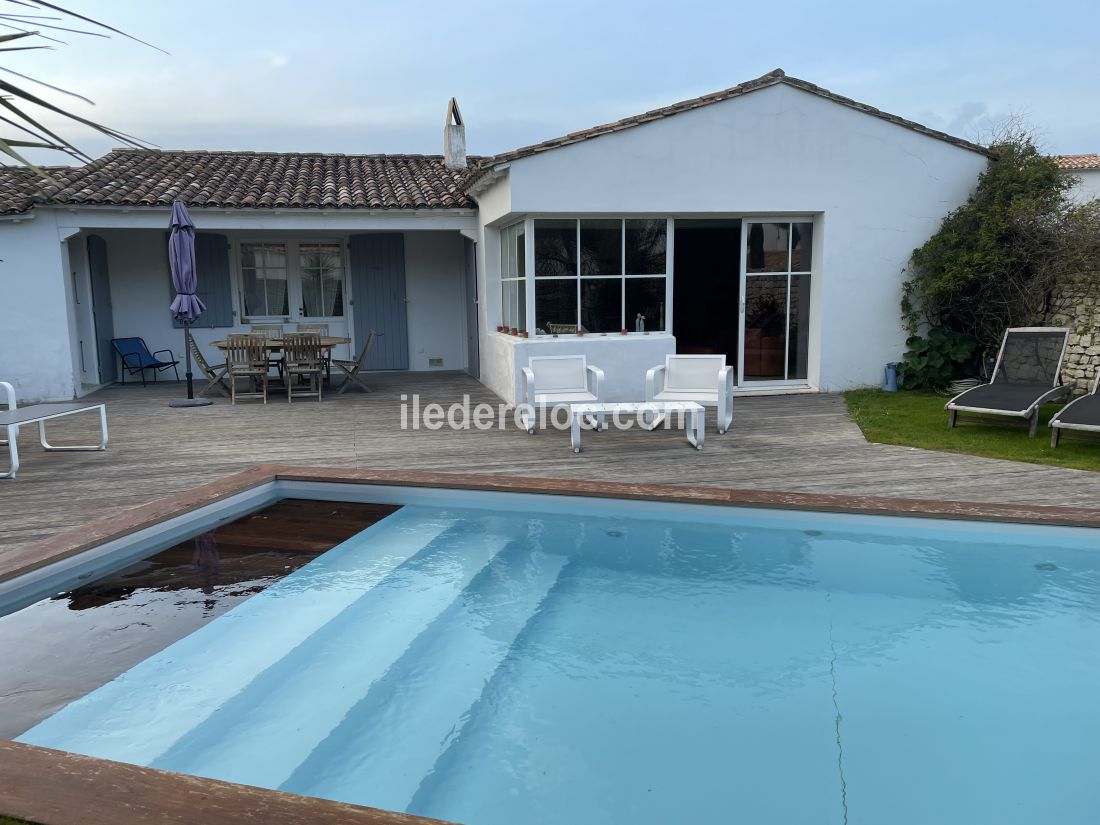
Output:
x=554 y=380
x=704 y=379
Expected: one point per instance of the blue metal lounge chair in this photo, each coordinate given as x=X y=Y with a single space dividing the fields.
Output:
x=136 y=357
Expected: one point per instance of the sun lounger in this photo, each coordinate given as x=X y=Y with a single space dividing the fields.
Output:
x=1027 y=375
x=1082 y=414
x=14 y=416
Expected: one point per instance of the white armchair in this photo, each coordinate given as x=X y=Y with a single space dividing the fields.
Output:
x=704 y=379
x=557 y=379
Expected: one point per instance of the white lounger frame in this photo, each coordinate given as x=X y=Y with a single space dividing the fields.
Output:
x=12 y=435
x=1032 y=412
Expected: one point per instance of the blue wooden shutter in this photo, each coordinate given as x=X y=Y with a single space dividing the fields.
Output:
x=215 y=287
x=378 y=289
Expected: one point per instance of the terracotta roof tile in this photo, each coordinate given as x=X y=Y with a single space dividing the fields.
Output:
x=242 y=180
x=1087 y=161
x=21 y=188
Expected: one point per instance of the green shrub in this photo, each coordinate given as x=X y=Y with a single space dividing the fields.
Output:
x=934 y=361
x=993 y=262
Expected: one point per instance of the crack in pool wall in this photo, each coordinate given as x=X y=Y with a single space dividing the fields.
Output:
x=839 y=717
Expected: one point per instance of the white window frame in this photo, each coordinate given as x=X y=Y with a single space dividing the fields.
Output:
x=622 y=277
x=516 y=278
x=342 y=246
x=746 y=222
x=295 y=304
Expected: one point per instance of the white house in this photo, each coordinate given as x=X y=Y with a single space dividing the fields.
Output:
x=1086 y=168
x=770 y=221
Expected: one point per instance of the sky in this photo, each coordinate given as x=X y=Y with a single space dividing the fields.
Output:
x=374 y=76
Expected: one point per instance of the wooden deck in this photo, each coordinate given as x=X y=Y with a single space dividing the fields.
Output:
x=803 y=443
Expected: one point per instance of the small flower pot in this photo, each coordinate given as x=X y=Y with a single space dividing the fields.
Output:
x=623 y=331
x=500 y=329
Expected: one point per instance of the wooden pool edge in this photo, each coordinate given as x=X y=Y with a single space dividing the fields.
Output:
x=72 y=542
x=51 y=787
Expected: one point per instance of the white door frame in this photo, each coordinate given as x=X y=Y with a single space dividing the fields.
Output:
x=746 y=221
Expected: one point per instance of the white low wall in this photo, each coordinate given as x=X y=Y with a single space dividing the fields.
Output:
x=623 y=359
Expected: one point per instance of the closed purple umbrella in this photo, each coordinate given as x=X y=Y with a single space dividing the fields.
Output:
x=186 y=306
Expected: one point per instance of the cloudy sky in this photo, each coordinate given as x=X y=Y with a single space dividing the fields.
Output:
x=373 y=76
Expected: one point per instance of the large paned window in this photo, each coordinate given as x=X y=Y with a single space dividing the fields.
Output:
x=513 y=278
x=264 y=273
x=600 y=275
x=322 y=268
x=777 y=301
x=288 y=280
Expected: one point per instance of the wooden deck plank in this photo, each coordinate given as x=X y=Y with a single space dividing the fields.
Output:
x=797 y=443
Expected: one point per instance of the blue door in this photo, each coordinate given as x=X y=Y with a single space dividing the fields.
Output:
x=102 y=313
x=377 y=264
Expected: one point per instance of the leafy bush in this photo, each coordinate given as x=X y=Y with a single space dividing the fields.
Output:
x=994 y=260
x=934 y=361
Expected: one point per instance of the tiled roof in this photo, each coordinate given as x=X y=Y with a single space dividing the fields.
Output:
x=20 y=187
x=265 y=180
x=772 y=78
x=1088 y=161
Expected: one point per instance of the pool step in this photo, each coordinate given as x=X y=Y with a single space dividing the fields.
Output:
x=382 y=751
x=262 y=734
x=139 y=715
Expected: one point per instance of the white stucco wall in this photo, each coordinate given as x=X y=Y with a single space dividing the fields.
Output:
x=1087 y=187
x=35 y=344
x=878 y=190
x=436 y=292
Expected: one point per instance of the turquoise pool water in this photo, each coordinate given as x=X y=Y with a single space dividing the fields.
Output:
x=644 y=664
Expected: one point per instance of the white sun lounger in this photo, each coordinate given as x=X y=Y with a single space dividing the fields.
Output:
x=14 y=417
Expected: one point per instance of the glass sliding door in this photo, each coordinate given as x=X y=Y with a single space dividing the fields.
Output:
x=775 y=303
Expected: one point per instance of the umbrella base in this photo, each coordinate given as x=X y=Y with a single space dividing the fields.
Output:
x=190 y=402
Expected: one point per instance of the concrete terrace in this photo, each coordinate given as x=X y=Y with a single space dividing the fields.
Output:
x=801 y=443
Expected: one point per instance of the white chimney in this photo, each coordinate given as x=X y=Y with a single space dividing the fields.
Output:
x=454 y=138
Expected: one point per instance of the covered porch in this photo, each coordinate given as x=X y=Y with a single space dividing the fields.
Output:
x=409 y=278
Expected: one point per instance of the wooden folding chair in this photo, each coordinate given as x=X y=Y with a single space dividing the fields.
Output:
x=246 y=356
x=302 y=357
x=215 y=375
x=351 y=368
x=322 y=330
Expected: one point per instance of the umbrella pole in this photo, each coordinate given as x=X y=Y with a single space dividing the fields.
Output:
x=187 y=355
x=190 y=401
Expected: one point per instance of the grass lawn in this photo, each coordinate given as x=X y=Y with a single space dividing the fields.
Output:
x=917 y=419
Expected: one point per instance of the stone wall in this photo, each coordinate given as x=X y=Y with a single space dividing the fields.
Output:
x=1076 y=304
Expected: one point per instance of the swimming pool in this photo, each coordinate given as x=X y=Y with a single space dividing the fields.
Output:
x=530 y=659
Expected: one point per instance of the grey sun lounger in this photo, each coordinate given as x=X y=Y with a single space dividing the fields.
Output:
x=1081 y=414
x=14 y=417
x=1027 y=375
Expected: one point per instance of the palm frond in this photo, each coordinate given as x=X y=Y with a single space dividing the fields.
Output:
x=18 y=103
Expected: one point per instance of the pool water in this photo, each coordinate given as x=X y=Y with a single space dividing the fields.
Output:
x=634 y=664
